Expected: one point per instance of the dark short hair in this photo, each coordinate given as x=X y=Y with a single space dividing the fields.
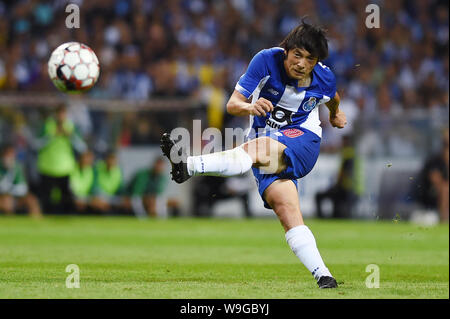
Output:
x=309 y=37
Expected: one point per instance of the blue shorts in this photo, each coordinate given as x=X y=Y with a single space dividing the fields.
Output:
x=301 y=153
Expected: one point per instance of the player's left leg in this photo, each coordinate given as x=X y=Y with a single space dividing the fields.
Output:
x=282 y=196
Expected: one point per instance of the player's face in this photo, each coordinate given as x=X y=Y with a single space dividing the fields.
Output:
x=299 y=63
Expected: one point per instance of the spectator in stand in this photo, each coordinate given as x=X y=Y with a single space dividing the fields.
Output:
x=146 y=190
x=14 y=194
x=432 y=187
x=56 y=161
x=348 y=187
x=210 y=190
x=82 y=181
x=108 y=188
x=177 y=47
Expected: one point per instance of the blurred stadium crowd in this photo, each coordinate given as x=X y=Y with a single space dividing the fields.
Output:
x=151 y=48
x=199 y=48
x=69 y=185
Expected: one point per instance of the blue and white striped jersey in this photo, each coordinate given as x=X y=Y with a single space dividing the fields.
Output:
x=294 y=106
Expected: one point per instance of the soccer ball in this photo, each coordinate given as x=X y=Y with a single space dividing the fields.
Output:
x=73 y=67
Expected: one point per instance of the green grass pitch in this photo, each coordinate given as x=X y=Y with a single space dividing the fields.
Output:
x=216 y=258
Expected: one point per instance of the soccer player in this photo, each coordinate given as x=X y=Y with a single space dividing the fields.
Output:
x=286 y=85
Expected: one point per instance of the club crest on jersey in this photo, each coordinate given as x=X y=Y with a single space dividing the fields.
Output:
x=292 y=132
x=310 y=104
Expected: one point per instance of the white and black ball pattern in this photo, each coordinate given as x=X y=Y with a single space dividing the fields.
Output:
x=73 y=67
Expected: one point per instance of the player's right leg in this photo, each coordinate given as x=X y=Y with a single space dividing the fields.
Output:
x=262 y=152
x=282 y=196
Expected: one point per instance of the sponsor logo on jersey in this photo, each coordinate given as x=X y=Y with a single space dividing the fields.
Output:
x=272 y=124
x=292 y=132
x=279 y=117
x=310 y=104
x=272 y=91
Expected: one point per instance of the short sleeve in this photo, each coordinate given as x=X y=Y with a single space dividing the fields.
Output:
x=257 y=70
x=328 y=81
x=331 y=87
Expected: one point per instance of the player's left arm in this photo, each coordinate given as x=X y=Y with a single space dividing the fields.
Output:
x=337 y=116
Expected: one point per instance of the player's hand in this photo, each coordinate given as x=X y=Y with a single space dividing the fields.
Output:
x=260 y=107
x=338 y=119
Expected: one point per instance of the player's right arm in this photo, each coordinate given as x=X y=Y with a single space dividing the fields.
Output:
x=239 y=102
x=239 y=105
x=337 y=116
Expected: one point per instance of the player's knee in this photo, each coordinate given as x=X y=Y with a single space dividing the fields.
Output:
x=262 y=159
x=264 y=152
x=254 y=150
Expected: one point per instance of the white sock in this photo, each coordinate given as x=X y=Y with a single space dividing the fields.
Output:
x=228 y=163
x=302 y=242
